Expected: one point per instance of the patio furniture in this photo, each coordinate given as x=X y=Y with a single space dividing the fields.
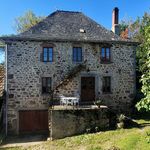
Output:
x=73 y=101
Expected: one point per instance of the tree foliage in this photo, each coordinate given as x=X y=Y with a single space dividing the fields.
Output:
x=143 y=60
x=26 y=21
x=123 y=25
x=144 y=66
x=139 y=30
x=135 y=28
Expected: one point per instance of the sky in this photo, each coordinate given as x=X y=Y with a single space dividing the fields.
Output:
x=99 y=10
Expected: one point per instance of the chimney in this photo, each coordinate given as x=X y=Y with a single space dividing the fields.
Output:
x=115 y=18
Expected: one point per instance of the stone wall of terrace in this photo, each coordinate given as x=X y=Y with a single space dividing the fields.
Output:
x=64 y=123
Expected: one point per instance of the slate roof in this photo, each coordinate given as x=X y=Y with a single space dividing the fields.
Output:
x=65 y=26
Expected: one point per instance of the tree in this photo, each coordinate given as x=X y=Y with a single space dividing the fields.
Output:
x=135 y=27
x=124 y=24
x=26 y=21
x=144 y=62
x=139 y=30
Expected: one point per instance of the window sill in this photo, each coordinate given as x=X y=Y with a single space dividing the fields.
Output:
x=77 y=62
x=45 y=94
x=105 y=93
x=47 y=62
x=107 y=62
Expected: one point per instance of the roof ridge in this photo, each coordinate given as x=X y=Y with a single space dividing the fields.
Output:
x=69 y=11
x=62 y=11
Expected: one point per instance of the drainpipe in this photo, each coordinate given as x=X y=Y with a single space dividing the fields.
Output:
x=51 y=133
x=6 y=87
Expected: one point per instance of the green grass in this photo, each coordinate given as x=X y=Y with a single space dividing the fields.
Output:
x=120 y=139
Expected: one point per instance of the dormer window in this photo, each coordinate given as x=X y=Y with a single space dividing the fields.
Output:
x=105 y=54
x=48 y=54
x=82 y=31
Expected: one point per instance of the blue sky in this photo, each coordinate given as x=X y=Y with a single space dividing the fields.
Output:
x=99 y=10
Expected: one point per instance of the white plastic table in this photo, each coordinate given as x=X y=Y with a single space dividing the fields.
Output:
x=69 y=100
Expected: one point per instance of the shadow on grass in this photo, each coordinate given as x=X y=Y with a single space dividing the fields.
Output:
x=142 y=125
x=142 y=115
x=138 y=120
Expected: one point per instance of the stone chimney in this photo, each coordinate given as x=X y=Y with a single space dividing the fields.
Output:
x=115 y=20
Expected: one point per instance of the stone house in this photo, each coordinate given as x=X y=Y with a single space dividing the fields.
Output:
x=40 y=60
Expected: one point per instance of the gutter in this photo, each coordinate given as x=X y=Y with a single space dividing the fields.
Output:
x=39 y=39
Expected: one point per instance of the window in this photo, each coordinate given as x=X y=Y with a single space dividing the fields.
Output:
x=46 y=84
x=77 y=54
x=48 y=54
x=105 y=54
x=106 y=84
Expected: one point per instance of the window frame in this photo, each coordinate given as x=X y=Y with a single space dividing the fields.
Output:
x=76 y=59
x=46 y=80
x=105 y=86
x=48 y=54
x=104 y=59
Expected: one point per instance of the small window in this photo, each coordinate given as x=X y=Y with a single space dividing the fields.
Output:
x=106 y=84
x=105 y=54
x=46 y=84
x=48 y=54
x=77 y=54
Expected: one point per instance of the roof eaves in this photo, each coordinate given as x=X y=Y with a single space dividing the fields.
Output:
x=18 y=38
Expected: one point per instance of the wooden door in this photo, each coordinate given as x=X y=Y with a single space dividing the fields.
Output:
x=33 y=121
x=87 y=89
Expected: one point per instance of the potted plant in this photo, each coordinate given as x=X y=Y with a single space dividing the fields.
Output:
x=121 y=119
x=98 y=103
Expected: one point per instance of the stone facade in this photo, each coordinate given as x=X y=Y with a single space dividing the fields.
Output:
x=25 y=70
x=1 y=80
x=78 y=121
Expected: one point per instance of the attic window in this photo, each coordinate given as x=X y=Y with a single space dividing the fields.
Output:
x=82 y=31
x=105 y=54
x=77 y=54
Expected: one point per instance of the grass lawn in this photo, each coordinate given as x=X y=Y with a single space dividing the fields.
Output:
x=120 y=139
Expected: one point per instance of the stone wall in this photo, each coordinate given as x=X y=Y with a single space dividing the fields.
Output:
x=2 y=74
x=25 y=70
x=64 y=123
